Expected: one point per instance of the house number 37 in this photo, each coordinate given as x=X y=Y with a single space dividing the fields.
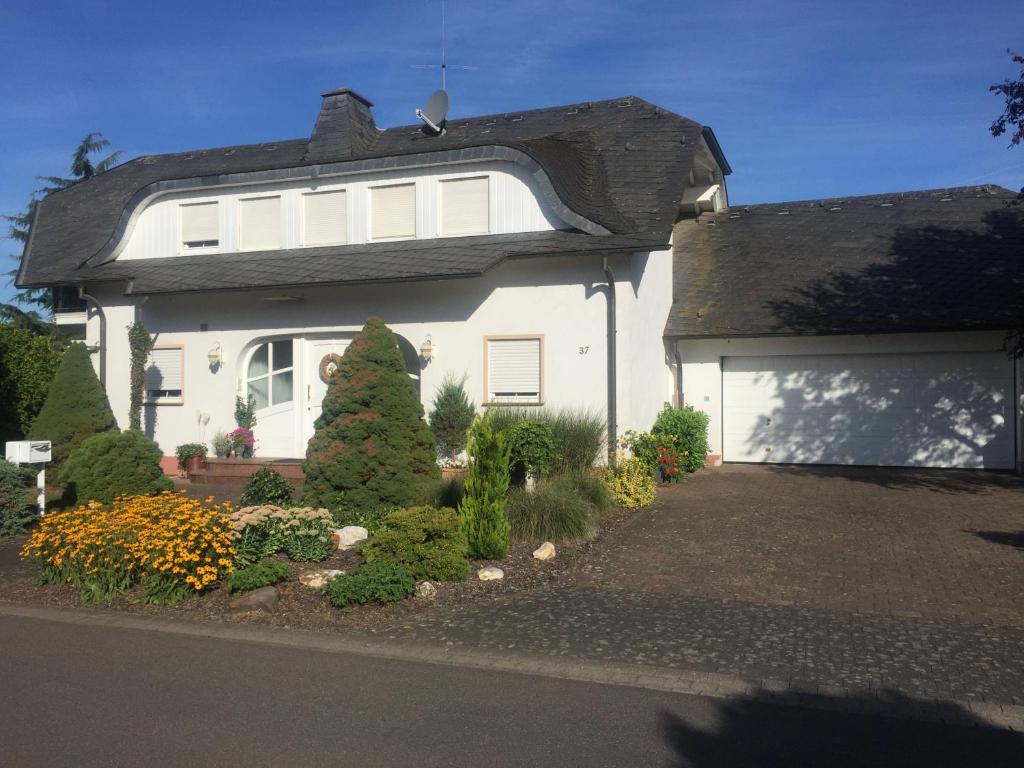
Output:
x=584 y=350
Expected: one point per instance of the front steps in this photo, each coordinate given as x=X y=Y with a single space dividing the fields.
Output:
x=236 y=472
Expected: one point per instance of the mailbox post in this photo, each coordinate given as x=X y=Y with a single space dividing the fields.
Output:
x=32 y=452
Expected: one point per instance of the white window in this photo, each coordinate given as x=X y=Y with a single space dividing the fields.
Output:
x=514 y=369
x=200 y=226
x=393 y=212
x=269 y=376
x=465 y=206
x=164 y=376
x=260 y=225
x=326 y=219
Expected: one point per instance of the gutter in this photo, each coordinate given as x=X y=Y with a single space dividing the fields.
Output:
x=103 y=334
x=612 y=377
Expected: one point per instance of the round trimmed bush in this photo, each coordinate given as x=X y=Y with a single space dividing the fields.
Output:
x=531 y=448
x=429 y=542
x=113 y=464
x=266 y=486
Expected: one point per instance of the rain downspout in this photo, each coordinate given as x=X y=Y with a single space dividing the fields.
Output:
x=612 y=378
x=103 y=334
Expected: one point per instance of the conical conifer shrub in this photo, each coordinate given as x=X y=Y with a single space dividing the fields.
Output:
x=76 y=406
x=372 y=447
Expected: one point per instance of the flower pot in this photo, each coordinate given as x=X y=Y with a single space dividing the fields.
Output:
x=194 y=464
x=450 y=473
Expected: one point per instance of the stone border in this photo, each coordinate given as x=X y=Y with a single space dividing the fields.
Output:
x=709 y=684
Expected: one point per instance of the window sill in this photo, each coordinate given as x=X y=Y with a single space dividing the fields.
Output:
x=512 y=404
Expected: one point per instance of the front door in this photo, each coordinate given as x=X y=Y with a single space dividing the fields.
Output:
x=322 y=355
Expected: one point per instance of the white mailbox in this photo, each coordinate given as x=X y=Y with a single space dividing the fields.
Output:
x=28 y=452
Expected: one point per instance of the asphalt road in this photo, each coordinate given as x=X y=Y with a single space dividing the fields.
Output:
x=86 y=695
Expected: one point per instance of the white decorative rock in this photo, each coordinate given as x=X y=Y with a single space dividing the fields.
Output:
x=426 y=590
x=350 y=535
x=490 y=573
x=318 y=579
x=545 y=551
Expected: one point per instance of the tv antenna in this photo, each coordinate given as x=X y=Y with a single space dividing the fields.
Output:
x=444 y=66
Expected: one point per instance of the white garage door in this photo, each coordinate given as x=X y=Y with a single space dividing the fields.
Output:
x=924 y=410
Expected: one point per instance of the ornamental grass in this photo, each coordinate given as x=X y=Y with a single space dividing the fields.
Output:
x=172 y=545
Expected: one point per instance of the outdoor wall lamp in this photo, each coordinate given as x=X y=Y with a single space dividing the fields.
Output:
x=428 y=350
x=215 y=356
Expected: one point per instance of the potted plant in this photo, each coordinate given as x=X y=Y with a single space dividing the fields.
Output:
x=242 y=442
x=221 y=446
x=191 y=457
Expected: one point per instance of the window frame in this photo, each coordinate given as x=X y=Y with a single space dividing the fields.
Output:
x=271 y=372
x=240 y=220
x=169 y=399
x=304 y=196
x=370 y=237
x=440 y=203
x=182 y=248
x=539 y=337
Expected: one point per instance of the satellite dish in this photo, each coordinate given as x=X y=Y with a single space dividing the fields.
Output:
x=436 y=111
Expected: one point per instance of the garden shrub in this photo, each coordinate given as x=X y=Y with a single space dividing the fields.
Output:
x=451 y=416
x=482 y=510
x=372 y=447
x=114 y=464
x=76 y=407
x=450 y=492
x=189 y=451
x=16 y=510
x=531 y=449
x=266 y=486
x=428 y=541
x=578 y=434
x=261 y=574
x=28 y=364
x=590 y=486
x=554 y=511
x=686 y=430
x=140 y=343
x=630 y=483
x=382 y=582
x=172 y=545
x=303 y=533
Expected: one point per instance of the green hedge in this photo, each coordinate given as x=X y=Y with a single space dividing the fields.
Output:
x=28 y=364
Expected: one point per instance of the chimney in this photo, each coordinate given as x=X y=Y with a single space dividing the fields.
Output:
x=344 y=128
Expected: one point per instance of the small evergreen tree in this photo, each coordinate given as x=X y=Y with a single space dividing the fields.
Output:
x=76 y=406
x=452 y=416
x=482 y=511
x=372 y=447
x=266 y=486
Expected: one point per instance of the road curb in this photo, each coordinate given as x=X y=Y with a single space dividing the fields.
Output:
x=672 y=680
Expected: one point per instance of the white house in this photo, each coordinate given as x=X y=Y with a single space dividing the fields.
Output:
x=582 y=256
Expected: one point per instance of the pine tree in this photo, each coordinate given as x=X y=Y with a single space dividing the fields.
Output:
x=482 y=510
x=451 y=416
x=76 y=406
x=372 y=447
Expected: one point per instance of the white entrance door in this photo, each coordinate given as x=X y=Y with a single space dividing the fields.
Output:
x=926 y=410
x=317 y=350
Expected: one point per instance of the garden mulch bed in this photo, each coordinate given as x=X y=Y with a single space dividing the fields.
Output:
x=302 y=607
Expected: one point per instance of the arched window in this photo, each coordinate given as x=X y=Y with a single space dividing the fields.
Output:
x=269 y=378
x=412 y=360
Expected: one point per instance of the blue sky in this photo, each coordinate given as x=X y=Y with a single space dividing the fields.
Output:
x=808 y=98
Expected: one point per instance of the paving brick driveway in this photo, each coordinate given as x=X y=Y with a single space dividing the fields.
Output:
x=895 y=542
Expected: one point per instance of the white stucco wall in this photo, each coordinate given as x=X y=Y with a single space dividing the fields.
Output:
x=561 y=298
x=702 y=360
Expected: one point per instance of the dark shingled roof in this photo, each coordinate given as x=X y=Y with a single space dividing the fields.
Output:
x=622 y=164
x=936 y=260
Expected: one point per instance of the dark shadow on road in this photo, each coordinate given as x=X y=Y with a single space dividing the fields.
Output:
x=900 y=478
x=1008 y=538
x=766 y=730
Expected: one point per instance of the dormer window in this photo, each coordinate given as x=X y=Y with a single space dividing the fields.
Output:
x=465 y=207
x=200 y=226
x=393 y=212
x=260 y=223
